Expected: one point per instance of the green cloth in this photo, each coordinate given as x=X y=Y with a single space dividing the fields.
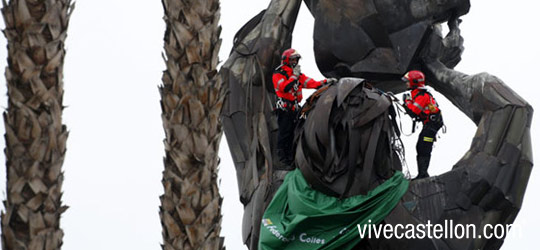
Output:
x=300 y=217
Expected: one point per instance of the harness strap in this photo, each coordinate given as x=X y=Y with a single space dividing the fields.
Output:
x=421 y=92
x=309 y=105
x=285 y=104
x=281 y=71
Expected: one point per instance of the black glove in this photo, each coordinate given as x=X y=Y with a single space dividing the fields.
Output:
x=331 y=80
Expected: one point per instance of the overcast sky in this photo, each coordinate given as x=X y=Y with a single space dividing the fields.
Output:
x=112 y=71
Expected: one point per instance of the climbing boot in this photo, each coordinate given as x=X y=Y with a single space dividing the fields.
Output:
x=423 y=164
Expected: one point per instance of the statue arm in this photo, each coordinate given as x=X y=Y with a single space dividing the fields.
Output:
x=247 y=117
x=488 y=184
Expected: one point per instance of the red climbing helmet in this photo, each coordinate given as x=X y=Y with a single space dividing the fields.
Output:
x=288 y=55
x=414 y=79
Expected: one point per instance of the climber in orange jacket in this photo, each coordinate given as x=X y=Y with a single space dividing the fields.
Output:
x=288 y=84
x=421 y=106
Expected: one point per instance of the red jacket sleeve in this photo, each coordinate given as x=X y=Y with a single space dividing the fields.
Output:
x=309 y=83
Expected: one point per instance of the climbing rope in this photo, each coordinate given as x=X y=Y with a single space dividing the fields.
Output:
x=397 y=143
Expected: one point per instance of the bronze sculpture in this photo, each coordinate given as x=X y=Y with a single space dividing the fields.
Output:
x=486 y=186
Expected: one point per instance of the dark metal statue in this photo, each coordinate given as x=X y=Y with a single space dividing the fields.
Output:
x=383 y=40
x=375 y=38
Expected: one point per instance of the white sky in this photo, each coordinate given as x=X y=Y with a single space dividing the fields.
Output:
x=114 y=160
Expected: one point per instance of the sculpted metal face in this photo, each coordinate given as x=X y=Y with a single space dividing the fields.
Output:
x=363 y=38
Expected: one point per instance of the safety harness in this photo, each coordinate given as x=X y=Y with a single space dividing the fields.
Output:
x=421 y=92
x=435 y=119
x=282 y=103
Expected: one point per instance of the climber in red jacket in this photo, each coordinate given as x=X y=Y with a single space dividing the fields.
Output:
x=288 y=84
x=421 y=106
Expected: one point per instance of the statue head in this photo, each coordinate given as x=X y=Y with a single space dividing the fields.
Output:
x=375 y=38
x=346 y=142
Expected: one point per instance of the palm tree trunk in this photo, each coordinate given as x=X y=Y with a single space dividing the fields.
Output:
x=35 y=135
x=191 y=101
